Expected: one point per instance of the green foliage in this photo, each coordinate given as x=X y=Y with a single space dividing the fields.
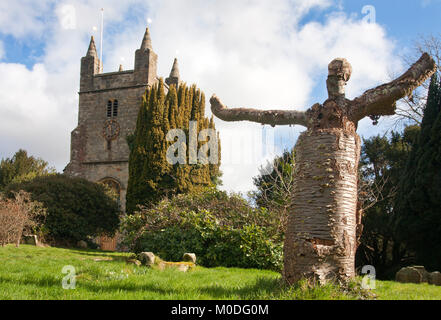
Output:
x=76 y=208
x=151 y=177
x=221 y=230
x=21 y=167
x=275 y=188
x=382 y=162
x=419 y=199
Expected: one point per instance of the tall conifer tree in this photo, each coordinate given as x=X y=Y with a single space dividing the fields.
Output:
x=151 y=177
x=418 y=203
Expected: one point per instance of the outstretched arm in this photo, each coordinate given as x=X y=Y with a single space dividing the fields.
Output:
x=271 y=117
x=381 y=100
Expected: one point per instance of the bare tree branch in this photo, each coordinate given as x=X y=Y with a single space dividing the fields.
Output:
x=271 y=117
x=382 y=99
x=371 y=192
x=411 y=110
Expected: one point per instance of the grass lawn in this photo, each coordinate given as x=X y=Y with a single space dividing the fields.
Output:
x=30 y=272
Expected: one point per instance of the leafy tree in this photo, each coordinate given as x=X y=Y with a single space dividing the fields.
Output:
x=419 y=199
x=76 y=208
x=151 y=176
x=22 y=167
x=275 y=188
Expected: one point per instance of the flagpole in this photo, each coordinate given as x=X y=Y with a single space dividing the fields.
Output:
x=101 y=41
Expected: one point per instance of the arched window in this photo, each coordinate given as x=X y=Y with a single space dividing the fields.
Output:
x=109 y=109
x=115 y=108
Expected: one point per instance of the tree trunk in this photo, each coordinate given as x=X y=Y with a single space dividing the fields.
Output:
x=320 y=240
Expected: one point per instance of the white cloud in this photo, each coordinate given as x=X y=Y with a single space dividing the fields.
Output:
x=251 y=53
x=32 y=116
x=2 y=51
x=24 y=17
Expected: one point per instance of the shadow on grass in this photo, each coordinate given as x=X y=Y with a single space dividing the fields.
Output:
x=261 y=289
x=45 y=282
x=106 y=254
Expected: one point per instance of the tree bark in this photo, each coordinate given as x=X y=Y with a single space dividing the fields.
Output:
x=271 y=117
x=320 y=241
x=382 y=99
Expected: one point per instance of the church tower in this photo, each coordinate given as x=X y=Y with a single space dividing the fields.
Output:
x=108 y=110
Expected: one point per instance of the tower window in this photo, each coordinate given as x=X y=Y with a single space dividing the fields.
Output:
x=115 y=108
x=112 y=108
x=109 y=109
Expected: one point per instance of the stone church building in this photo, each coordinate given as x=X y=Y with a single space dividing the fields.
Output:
x=108 y=110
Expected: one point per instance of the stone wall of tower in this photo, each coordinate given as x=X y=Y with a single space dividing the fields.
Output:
x=145 y=66
x=93 y=116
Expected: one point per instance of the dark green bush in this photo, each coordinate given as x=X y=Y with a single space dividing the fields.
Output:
x=221 y=229
x=76 y=208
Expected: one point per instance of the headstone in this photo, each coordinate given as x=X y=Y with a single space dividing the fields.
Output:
x=180 y=266
x=435 y=278
x=423 y=272
x=189 y=257
x=147 y=258
x=408 y=275
x=82 y=244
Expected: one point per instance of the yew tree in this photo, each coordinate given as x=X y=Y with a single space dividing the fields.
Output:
x=418 y=201
x=151 y=175
x=320 y=241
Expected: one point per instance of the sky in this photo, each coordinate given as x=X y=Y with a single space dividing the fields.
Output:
x=251 y=53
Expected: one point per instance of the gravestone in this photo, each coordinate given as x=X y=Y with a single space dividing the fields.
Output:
x=147 y=258
x=189 y=257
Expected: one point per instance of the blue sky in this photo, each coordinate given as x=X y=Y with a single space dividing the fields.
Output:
x=240 y=50
x=403 y=20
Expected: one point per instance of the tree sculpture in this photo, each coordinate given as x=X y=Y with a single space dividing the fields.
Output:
x=320 y=241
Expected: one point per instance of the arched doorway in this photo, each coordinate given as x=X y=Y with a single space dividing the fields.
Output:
x=114 y=187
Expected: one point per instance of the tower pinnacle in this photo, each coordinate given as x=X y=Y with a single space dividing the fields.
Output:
x=146 y=41
x=174 y=74
x=92 y=48
x=175 y=69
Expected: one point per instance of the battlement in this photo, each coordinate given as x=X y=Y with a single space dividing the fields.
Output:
x=144 y=72
x=112 y=81
x=113 y=73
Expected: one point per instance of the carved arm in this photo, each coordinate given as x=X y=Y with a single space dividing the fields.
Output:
x=271 y=117
x=381 y=100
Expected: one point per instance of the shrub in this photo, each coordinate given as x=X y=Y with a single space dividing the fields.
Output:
x=18 y=215
x=221 y=229
x=76 y=208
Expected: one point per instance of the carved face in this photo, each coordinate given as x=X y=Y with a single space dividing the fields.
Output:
x=339 y=73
